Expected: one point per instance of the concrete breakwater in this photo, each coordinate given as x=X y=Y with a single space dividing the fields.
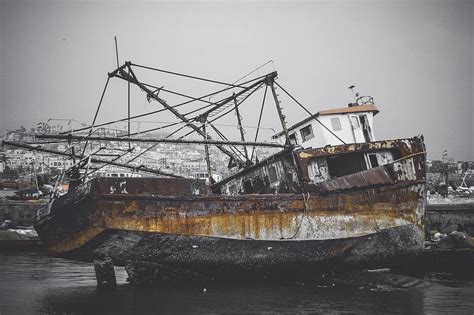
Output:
x=21 y=212
x=447 y=215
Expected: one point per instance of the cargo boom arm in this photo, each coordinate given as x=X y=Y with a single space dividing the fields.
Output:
x=130 y=77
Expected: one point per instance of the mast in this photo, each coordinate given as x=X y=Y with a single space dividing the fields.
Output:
x=239 y=124
x=132 y=79
x=280 y=113
x=206 y=150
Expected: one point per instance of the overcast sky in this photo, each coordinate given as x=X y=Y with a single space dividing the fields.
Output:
x=414 y=57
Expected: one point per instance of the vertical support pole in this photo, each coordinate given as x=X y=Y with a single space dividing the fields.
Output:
x=129 y=146
x=446 y=178
x=73 y=153
x=206 y=150
x=105 y=273
x=445 y=173
x=280 y=114
x=116 y=50
x=241 y=129
x=33 y=164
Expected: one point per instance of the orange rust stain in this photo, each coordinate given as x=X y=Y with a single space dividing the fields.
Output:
x=130 y=207
x=250 y=218
x=371 y=210
x=256 y=225
x=74 y=241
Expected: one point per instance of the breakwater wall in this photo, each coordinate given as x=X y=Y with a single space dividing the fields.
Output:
x=447 y=217
x=21 y=212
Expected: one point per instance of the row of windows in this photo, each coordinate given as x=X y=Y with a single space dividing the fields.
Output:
x=248 y=184
x=307 y=132
x=122 y=175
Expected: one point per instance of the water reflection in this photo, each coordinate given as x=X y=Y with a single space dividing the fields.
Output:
x=34 y=283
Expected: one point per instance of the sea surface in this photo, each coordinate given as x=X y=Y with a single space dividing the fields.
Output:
x=6 y=192
x=32 y=283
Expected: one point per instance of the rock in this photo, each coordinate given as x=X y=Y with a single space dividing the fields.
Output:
x=29 y=233
x=446 y=243
x=461 y=240
x=450 y=227
x=438 y=236
x=11 y=235
x=7 y=224
x=455 y=240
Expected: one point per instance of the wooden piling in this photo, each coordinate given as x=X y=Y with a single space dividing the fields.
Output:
x=105 y=273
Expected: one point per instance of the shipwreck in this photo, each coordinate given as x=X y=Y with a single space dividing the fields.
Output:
x=331 y=197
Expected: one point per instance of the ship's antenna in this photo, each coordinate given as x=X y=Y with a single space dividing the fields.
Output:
x=356 y=94
x=116 y=51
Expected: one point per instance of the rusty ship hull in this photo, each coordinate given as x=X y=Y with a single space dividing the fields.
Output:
x=178 y=229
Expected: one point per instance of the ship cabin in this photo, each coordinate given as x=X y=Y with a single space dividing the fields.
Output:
x=318 y=155
x=352 y=124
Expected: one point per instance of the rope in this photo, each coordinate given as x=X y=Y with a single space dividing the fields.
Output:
x=305 y=210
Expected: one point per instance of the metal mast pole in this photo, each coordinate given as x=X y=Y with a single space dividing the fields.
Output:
x=206 y=150
x=128 y=103
x=280 y=113
x=241 y=129
x=125 y=76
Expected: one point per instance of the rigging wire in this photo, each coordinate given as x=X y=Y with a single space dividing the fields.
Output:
x=253 y=90
x=232 y=148
x=259 y=120
x=185 y=75
x=157 y=111
x=313 y=116
x=98 y=107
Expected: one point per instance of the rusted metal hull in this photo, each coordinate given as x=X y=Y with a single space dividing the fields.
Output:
x=260 y=235
x=177 y=229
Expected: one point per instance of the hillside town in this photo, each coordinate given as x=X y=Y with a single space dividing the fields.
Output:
x=179 y=159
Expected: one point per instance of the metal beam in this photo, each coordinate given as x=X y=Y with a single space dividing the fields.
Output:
x=153 y=140
x=122 y=74
x=268 y=77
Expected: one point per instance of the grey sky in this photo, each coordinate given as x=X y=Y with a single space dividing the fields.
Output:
x=415 y=57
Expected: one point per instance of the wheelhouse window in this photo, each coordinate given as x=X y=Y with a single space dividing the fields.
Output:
x=355 y=122
x=307 y=133
x=248 y=187
x=232 y=189
x=272 y=174
x=373 y=160
x=293 y=138
x=345 y=164
x=336 y=124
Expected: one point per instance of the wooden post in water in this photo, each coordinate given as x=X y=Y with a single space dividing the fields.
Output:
x=105 y=273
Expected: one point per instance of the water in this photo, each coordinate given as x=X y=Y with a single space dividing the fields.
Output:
x=6 y=192
x=34 y=283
